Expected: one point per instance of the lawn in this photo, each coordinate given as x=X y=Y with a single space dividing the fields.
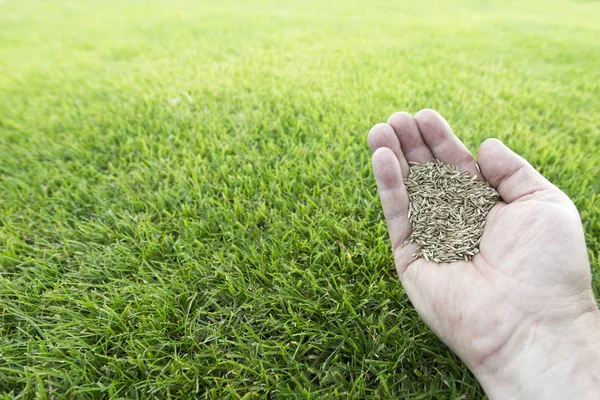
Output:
x=186 y=201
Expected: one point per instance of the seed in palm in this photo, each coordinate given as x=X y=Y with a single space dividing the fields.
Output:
x=447 y=210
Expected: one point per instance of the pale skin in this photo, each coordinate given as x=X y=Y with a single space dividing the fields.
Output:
x=521 y=314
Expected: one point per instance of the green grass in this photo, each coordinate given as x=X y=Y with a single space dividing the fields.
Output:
x=186 y=202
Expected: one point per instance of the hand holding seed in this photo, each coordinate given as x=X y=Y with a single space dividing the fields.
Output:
x=514 y=298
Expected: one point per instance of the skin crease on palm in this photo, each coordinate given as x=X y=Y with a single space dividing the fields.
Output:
x=521 y=313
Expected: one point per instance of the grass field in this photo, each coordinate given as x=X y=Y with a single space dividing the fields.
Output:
x=186 y=201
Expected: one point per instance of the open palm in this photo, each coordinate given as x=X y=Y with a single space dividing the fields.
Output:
x=532 y=270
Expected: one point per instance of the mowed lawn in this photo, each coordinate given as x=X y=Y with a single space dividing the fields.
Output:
x=186 y=201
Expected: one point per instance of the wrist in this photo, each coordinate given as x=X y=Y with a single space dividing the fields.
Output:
x=556 y=358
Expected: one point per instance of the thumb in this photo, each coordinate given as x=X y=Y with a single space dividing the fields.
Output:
x=508 y=172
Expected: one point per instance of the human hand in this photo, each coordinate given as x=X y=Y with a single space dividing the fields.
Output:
x=521 y=313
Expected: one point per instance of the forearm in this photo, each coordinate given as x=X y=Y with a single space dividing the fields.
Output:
x=558 y=362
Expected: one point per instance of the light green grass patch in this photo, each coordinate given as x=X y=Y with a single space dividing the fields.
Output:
x=186 y=202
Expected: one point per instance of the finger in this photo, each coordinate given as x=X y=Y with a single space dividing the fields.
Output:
x=444 y=144
x=393 y=195
x=413 y=146
x=383 y=135
x=508 y=172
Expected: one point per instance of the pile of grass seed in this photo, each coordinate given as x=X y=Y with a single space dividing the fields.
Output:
x=447 y=210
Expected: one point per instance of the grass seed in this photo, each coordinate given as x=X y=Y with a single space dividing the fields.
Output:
x=447 y=210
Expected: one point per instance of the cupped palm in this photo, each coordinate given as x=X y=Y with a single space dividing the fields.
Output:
x=532 y=267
